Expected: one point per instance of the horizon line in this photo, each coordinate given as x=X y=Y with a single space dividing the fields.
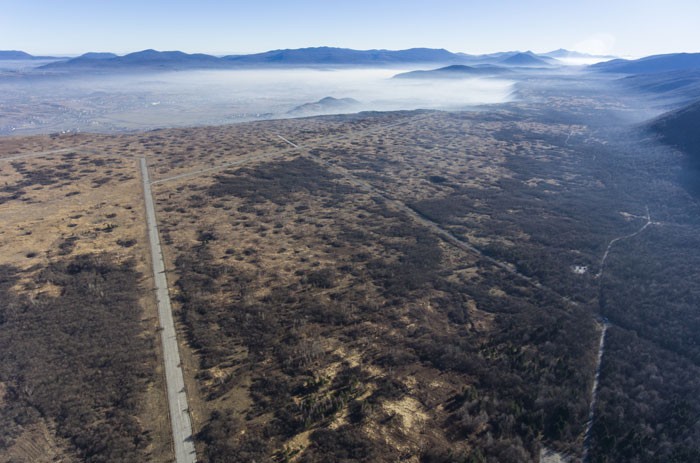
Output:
x=219 y=55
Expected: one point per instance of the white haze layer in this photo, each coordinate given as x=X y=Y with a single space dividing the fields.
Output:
x=584 y=61
x=168 y=99
x=373 y=88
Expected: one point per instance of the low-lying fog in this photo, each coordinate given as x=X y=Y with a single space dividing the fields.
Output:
x=46 y=103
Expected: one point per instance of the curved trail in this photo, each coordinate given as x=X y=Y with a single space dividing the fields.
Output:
x=621 y=238
x=566 y=142
x=601 y=348
x=177 y=396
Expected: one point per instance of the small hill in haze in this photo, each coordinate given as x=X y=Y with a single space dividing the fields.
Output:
x=651 y=64
x=149 y=57
x=457 y=71
x=527 y=59
x=326 y=105
x=97 y=55
x=85 y=60
x=563 y=53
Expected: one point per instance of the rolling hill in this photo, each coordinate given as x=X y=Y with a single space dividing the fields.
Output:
x=681 y=87
x=679 y=128
x=14 y=54
x=651 y=64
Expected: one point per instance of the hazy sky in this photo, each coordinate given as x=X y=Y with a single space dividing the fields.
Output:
x=622 y=27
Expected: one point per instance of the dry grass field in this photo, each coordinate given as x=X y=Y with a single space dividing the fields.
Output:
x=80 y=323
x=375 y=287
x=325 y=316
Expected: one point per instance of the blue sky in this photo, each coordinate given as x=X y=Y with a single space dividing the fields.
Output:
x=622 y=27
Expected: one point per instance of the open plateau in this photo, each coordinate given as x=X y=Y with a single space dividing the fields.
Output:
x=485 y=259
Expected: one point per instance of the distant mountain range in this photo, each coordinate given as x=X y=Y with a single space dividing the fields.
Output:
x=330 y=56
x=651 y=64
x=322 y=56
x=303 y=57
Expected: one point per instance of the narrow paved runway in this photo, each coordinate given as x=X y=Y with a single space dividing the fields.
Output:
x=594 y=393
x=177 y=396
x=34 y=154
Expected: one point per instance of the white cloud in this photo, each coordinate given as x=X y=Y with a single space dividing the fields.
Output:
x=583 y=61
x=597 y=44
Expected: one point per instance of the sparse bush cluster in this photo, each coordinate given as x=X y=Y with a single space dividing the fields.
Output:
x=79 y=360
x=527 y=377
x=277 y=182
